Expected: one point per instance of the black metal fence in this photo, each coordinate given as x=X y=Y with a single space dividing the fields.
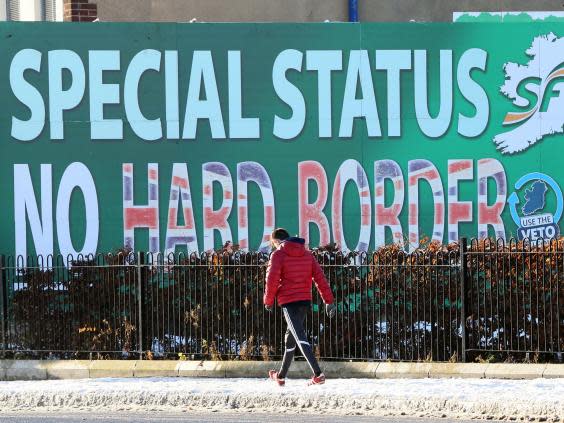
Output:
x=441 y=303
x=515 y=297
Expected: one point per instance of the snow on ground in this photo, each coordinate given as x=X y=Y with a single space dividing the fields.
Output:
x=542 y=399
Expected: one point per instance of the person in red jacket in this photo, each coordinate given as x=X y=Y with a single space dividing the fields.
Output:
x=289 y=276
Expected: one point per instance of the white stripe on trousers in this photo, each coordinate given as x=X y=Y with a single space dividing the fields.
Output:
x=298 y=341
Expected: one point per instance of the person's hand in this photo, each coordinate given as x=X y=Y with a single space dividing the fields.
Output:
x=268 y=308
x=330 y=310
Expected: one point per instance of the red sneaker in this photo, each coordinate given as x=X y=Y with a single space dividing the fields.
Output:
x=273 y=375
x=317 y=380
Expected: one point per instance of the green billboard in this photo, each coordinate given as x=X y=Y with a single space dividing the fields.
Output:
x=161 y=137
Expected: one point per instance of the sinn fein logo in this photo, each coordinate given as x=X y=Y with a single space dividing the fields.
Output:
x=535 y=88
x=535 y=223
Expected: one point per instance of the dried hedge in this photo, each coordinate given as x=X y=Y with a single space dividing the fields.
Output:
x=516 y=297
x=391 y=305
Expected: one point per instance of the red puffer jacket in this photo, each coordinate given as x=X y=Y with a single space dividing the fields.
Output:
x=290 y=272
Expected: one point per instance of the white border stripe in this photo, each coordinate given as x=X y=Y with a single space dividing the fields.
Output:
x=291 y=327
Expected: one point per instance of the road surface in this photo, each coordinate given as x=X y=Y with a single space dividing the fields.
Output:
x=192 y=417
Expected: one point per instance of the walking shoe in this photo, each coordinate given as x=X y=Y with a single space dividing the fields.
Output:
x=273 y=375
x=317 y=380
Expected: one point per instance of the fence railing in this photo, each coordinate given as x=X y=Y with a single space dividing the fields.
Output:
x=440 y=303
x=515 y=297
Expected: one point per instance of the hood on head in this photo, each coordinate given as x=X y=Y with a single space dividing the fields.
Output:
x=294 y=246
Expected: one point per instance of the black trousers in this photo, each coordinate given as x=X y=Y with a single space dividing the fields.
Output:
x=295 y=314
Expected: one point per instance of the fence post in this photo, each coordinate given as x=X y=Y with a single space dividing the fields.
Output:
x=463 y=294
x=3 y=306
x=140 y=300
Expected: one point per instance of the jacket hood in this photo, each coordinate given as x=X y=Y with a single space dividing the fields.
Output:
x=294 y=246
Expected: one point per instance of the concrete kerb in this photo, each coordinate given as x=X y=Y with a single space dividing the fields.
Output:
x=23 y=369
x=78 y=369
x=67 y=369
x=299 y=369
x=112 y=368
x=202 y=369
x=166 y=368
x=403 y=370
x=553 y=371
x=350 y=370
x=514 y=371
x=241 y=369
x=458 y=370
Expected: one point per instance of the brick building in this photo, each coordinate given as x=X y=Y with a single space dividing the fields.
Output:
x=48 y=10
x=257 y=10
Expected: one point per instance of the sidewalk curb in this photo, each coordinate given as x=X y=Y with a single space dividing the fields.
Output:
x=23 y=370
x=460 y=370
x=515 y=371
x=553 y=371
x=84 y=369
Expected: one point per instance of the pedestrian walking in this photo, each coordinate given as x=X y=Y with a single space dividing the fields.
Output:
x=289 y=277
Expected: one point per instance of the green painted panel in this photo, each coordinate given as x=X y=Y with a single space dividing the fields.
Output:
x=186 y=136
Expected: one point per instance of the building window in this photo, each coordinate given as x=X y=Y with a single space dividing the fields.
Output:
x=32 y=10
x=49 y=9
x=13 y=10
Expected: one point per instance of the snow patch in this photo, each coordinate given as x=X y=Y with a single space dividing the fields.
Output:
x=452 y=398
